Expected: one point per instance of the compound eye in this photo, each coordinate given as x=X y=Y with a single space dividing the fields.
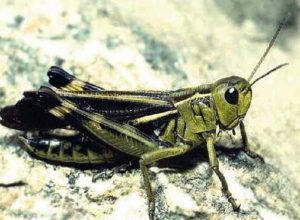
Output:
x=232 y=96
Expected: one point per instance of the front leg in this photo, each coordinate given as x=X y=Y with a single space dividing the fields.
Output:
x=213 y=161
x=151 y=157
x=246 y=148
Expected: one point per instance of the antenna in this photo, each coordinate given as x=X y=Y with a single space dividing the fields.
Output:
x=267 y=73
x=282 y=23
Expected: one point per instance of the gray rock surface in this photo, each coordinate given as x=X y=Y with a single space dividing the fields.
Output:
x=156 y=44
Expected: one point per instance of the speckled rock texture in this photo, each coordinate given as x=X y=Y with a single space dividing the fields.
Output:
x=158 y=45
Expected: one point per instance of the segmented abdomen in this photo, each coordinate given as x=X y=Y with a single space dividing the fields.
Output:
x=69 y=150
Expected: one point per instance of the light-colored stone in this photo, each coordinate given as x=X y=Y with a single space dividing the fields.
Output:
x=160 y=45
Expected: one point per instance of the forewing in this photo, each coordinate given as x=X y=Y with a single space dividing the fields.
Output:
x=122 y=137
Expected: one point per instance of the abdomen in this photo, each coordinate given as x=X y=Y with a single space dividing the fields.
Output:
x=70 y=151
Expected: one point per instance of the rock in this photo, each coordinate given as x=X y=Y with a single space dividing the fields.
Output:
x=156 y=45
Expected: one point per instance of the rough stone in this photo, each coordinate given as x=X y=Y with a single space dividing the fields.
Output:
x=162 y=45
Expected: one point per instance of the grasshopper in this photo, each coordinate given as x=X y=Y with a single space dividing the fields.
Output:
x=81 y=123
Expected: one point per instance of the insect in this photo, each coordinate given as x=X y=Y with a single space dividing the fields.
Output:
x=81 y=123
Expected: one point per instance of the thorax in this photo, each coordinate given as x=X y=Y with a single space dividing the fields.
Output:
x=196 y=116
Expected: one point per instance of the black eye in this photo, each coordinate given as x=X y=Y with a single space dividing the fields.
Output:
x=232 y=96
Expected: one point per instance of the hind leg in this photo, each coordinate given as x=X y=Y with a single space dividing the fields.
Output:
x=151 y=157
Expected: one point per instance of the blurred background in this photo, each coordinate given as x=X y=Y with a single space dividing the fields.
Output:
x=158 y=45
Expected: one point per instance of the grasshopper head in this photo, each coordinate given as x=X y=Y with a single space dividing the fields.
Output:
x=232 y=98
x=232 y=95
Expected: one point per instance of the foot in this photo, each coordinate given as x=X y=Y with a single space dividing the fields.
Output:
x=235 y=207
x=151 y=210
x=253 y=155
x=109 y=173
x=231 y=200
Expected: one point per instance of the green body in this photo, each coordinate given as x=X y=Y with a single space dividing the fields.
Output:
x=146 y=125
x=196 y=114
x=101 y=127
